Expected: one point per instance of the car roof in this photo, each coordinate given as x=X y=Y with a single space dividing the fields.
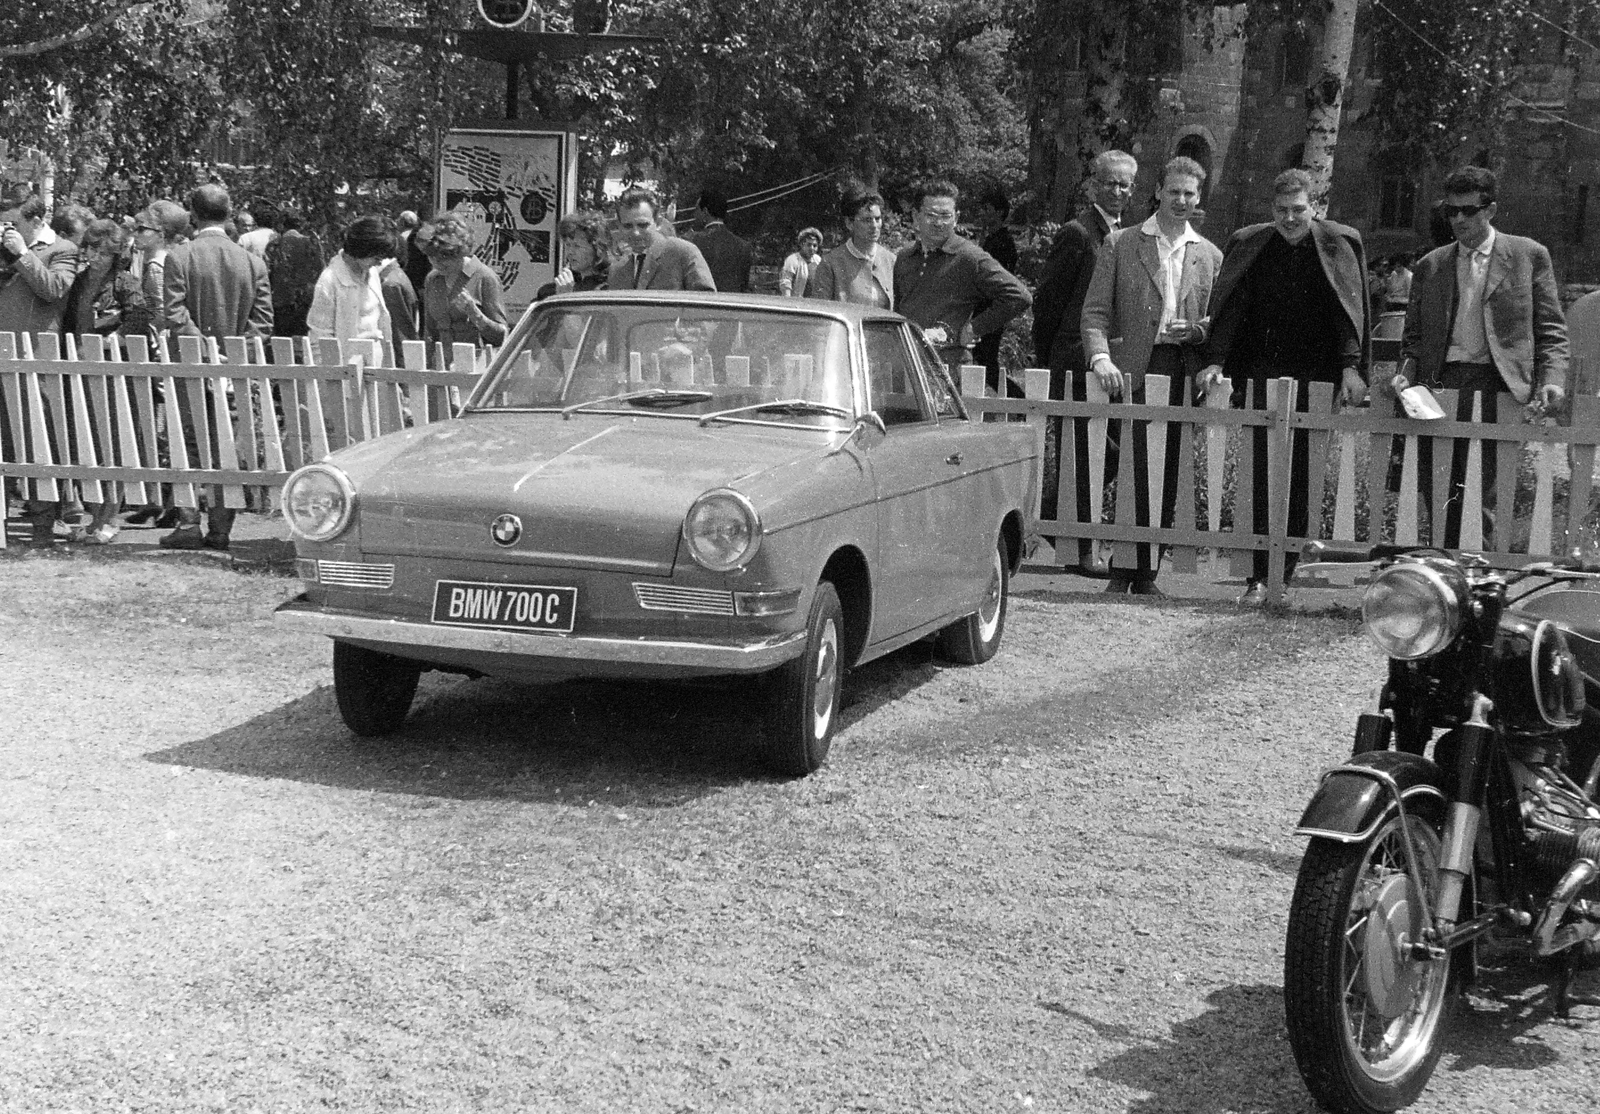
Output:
x=816 y=307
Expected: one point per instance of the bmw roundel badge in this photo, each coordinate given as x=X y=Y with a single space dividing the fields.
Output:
x=505 y=530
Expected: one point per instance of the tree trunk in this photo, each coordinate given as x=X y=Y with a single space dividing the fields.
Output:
x=1325 y=97
x=1103 y=122
x=1052 y=84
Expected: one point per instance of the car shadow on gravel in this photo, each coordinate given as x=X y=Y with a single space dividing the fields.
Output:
x=625 y=743
x=1233 y=1057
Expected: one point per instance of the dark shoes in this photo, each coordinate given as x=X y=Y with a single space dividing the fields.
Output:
x=1147 y=588
x=190 y=537
x=1090 y=565
x=1120 y=584
x=1254 y=594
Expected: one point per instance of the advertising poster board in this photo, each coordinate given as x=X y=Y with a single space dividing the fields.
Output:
x=512 y=184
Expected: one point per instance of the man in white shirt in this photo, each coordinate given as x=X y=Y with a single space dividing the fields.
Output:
x=1147 y=305
x=1484 y=319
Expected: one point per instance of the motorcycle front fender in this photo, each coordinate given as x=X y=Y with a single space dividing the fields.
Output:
x=1351 y=802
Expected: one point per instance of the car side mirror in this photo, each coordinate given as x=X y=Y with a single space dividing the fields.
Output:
x=873 y=419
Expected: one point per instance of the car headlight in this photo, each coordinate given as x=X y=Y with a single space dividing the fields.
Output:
x=318 y=502
x=722 y=530
x=1413 y=610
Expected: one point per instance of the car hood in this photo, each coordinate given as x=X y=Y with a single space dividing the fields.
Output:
x=596 y=491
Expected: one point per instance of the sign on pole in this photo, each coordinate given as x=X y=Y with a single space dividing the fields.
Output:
x=506 y=14
x=512 y=185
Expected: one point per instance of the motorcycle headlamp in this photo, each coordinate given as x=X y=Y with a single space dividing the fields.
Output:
x=1413 y=609
x=318 y=502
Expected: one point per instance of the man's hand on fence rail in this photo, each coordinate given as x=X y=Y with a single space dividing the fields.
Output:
x=1207 y=377
x=1354 y=390
x=1109 y=374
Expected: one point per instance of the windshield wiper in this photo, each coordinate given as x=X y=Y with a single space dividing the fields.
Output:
x=781 y=405
x=655 y=396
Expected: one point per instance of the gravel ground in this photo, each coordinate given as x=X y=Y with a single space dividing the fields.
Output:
x=1055 y=882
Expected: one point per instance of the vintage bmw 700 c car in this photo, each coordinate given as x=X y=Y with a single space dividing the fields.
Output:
x=670 y=485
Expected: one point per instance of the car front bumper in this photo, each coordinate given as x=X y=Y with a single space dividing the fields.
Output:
x=483 y=649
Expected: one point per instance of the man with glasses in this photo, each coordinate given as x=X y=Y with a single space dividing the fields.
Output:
x=1057 y=331
x=1484 y=319
x=942 y=278
x=860 y=270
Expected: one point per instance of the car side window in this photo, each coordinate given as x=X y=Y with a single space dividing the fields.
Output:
x=892 y=376
x=946 y=399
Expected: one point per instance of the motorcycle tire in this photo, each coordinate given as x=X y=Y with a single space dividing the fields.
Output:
x=1366 y=1022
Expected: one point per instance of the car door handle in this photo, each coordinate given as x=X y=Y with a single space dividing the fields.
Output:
x=953 y=458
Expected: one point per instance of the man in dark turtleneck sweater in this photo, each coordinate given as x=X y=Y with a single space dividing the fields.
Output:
x=1290 y=302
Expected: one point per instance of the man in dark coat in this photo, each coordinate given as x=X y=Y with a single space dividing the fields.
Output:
x=728 y=256
x=213 y=288
x=1290 y=302
x=1057 y=328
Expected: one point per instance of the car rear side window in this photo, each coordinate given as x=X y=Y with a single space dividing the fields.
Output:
x=892 y=374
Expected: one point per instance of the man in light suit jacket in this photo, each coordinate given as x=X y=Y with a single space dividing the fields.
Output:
x=214 y=288
x=1148 y=296
x=655 y=262
x=728 y=256
x=1484 y=316
x=1058 y=320
x=1291 y=301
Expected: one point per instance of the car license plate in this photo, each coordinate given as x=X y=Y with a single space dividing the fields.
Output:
x=473 y=603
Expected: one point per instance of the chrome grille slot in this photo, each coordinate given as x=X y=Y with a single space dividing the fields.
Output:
x=355 y=574
x=697 y=601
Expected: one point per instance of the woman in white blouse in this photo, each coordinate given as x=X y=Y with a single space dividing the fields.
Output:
x=348 y=302
x=801 y=265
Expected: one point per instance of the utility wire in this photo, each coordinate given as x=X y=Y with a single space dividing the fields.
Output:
x=1542 y=19
x=1549 y=117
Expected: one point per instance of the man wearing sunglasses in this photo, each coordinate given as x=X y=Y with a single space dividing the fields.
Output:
x=1484 y=319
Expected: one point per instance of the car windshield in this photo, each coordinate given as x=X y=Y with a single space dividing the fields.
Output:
x=719 y=364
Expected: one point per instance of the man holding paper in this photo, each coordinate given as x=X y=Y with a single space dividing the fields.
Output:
x=1484 y=318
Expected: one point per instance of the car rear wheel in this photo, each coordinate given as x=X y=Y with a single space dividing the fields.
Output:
x=975 y=639
x=374 y=690
x=803 y=704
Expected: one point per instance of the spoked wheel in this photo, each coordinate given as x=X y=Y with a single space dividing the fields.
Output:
x=976 y=638
x=1366 y=1018
x=803 y=707
x=374 y=690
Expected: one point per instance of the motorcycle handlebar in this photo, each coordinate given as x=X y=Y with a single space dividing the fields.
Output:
x=1324 y=553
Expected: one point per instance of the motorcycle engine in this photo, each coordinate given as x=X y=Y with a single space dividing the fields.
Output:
x=1563 y=825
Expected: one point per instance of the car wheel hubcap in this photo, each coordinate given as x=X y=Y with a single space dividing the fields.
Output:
x=826 y=681
x=989 y=613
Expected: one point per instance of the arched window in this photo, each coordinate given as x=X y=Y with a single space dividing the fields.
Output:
x=1292 y=65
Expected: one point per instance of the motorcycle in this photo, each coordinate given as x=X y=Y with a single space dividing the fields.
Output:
x=1466 y=811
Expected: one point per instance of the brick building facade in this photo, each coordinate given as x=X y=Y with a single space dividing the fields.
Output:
x=1239 y=110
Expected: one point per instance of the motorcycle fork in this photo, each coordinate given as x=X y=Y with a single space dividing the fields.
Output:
x=1473 y=754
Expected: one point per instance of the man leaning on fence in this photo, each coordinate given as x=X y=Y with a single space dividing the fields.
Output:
x=1148 y=298
x=213 y=288
x=1058 y=319
x=1484 y=316
x=1290 y=302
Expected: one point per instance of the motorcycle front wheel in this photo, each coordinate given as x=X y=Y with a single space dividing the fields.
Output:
x=1366 y=1019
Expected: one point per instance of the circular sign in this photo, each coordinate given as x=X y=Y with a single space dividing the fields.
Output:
x=534 y=208
x=505 y=530
x=505 y=14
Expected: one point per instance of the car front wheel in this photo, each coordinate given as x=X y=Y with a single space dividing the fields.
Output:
x=374 y=690
x=976 y=638
x=803 y=704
